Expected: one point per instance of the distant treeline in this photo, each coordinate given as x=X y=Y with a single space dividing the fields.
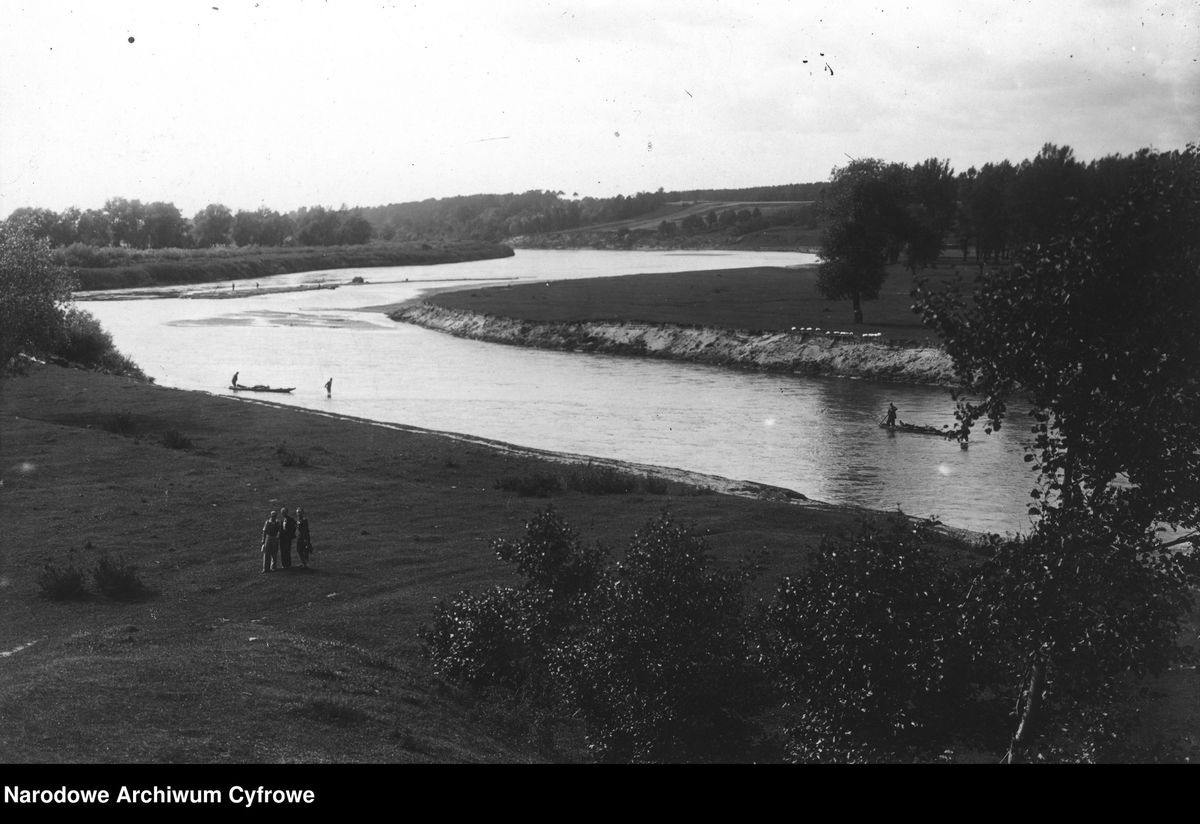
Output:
x=993 y=210
x=131 y=224
x=788 y=191
x=113 y=268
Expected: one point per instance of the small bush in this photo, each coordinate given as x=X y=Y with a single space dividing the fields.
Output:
x=535 y=485
x=174 y=439
x=656 y=486
x=288 y=457
x=592 y=480
x=117 y=579
x=61 y=584
x=482 y=639
x=869 y=647
x=122 y=423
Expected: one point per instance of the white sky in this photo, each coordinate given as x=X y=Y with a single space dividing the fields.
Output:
x=287 y=103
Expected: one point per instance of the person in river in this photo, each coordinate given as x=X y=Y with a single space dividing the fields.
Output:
x=287 y=534
x=235 y=377
x=329 y=388
x=891 y=416
x=270 y=542
x=304 y=546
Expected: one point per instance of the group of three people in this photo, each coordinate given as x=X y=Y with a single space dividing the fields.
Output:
x=278 y=533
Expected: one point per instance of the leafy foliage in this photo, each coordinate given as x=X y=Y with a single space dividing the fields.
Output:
x=1097 y=327
x=34 y=294
x=869 y=647
x=659 y=670
x=1087 y=610
x=652 y=656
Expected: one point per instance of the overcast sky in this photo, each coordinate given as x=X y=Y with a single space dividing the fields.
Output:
x=287 y=103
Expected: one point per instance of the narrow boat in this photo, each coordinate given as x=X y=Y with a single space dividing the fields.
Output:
x=237 y=387
x=917 y=429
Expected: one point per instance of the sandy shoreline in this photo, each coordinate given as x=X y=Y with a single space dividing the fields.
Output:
x=805 y=352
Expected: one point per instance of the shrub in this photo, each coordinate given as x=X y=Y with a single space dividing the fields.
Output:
x=174 y=439
x=482 y=639
x=869 y=646
x=659 y=668
x=62 y=584
x=117 y=579
x=82 y=338
x=288 y=457
x=593 y=480
x=502 y=636
x=534 y=485
x=120 y=423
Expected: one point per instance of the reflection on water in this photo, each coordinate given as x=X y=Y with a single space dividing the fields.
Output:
x=817 y=436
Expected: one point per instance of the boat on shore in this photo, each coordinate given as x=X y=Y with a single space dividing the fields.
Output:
x=258 y=387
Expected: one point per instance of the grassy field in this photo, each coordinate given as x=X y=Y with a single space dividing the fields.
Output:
x=764 y=298
x=222 y=664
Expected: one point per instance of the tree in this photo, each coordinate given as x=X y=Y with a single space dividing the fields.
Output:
x=34 y=294
x=929 y=212
x=1097 y=327
x=95 y=228
x=165 y=226
x=127 y=220
x=213 y=225
x=863 y=210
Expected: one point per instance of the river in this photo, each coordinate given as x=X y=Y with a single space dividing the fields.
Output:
x=817 y=436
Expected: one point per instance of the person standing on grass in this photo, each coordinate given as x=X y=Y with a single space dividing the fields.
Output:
x=303 y=539
x=270 y=542
x=287 y=534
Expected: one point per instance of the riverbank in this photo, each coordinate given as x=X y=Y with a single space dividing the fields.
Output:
x=132 y=269
x=223 y=664
x=800 y=352
x=761 y=318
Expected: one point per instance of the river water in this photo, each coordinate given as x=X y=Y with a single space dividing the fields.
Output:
x=818 y=436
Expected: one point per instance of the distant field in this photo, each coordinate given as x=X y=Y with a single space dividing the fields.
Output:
x=763 y=298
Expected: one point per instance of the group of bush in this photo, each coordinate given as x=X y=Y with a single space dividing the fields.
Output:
x=113 y=577
x=892 y=646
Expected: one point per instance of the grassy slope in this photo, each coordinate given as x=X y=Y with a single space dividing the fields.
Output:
x=765 y=298
x=224 y=664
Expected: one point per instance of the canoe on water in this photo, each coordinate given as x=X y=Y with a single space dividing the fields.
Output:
x=237 y=387
x=916 y=429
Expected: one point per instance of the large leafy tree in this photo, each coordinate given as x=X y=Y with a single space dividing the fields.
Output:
x=165 y=226
x=863 y=214
x=213 y=225
x=34 y=293
x=127 y=220
x=1097 y=328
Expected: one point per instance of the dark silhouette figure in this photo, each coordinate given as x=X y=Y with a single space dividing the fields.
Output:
x=235 y=377
x=287 y=534
x=329 y=388
x=304 y=546
x=891 y=416
x=270 y=542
